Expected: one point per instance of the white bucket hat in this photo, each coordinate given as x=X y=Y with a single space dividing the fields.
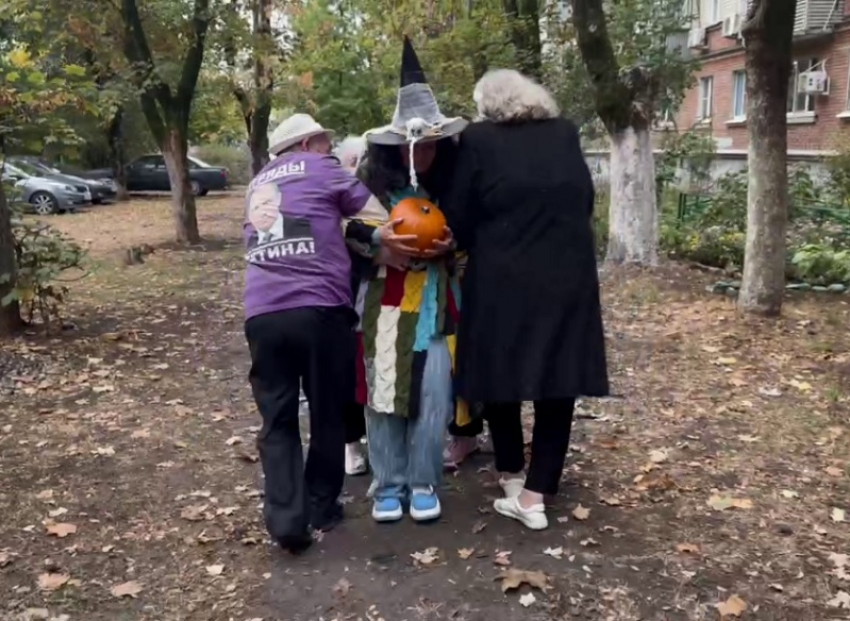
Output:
x=293 y=130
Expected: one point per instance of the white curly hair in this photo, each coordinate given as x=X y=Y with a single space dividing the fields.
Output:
x=350 y=150
x=505 y=95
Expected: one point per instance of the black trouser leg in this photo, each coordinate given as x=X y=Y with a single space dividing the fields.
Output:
x=329 y=386
x=471 y=430
x=275 y=380
x=506 y=432
x=552 y=424
x=355 y=422
x=315 y=345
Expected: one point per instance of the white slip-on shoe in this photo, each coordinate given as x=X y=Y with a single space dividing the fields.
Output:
x=512 y=487
x=534 y=517
x=355 y=462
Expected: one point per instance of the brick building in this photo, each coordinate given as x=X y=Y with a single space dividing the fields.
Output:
x=819 y=97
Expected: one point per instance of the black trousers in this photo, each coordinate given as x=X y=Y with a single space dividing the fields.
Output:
x=314 y=348
x=550 y=441
x=473 y=429
x=355 y=422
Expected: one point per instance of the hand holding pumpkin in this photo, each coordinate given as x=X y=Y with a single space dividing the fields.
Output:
x=424 y=226
x=399 y=244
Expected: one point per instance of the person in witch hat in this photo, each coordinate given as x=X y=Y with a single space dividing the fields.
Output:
x=408 y=307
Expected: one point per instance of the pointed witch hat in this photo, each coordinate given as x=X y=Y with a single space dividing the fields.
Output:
x=417 y=116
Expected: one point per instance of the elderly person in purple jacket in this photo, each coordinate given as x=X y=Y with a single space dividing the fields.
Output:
x=299 y=322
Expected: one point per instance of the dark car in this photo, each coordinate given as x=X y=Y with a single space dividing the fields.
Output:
x=101 y=190
x=148 y=174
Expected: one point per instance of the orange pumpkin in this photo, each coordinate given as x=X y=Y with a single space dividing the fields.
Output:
x=421 y=218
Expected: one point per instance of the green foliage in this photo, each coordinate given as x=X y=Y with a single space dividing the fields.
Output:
x=236 y=159
x=691 y=152
x=820 y=264
x=46 y=260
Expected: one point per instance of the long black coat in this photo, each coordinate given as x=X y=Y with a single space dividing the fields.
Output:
x=531 y=322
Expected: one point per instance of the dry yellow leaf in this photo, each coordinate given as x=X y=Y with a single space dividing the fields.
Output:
x=515 y=578
x=61 y=529
x=126 y=589
x=732 y=607
x=465 y=553
x=581 y=513
x=51 y=581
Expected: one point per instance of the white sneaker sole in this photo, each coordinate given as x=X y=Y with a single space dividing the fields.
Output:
x=508 y=507
x=428 y=514
x=387 y=516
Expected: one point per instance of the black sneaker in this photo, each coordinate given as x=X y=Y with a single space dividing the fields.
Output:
x=296 y=544
x=329 y=518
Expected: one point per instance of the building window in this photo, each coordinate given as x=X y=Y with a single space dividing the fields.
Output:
x=739 y=94
x=714 y=13
x=800 y=103
x=706 y=92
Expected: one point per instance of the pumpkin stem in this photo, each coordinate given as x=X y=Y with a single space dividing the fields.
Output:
x=426 y=209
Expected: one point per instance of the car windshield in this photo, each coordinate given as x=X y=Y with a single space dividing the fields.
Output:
x=199 y=162
x=14 y=170
x=28 y=168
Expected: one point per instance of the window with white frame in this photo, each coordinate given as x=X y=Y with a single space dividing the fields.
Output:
x=706 y=92
x=739 y=95
x=714 y=11
x=798 y=102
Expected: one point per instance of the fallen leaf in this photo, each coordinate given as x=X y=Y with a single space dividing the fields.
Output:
x=104 y=450
x=581 y=513
x=61 y=529
x=721 y=503
x=590 y=541
x=726 y=361
x=841 y=600
x=234 y=440
x=787 y=493
x=426 y=557
x=52 y=581
x=732 y=607
x=45 y=494
x=342 y=587
x=515 y=578
x=141 y=433
x=801 y=386
x=465 y=553
x=478 y=527
x=57 y=512
x=527 y=600
x=554 y=552
x=659 y=456
x=503 y=558
x=126 y=589
x=215 y=570
x=5 y=559
x=612 y=501
x=194 y=513
x=834 y=472
x=688 y=548
x=838 y=515
x=749 y=439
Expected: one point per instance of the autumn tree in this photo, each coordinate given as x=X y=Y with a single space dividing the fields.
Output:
x=768 y=34
x=632 y=76
x=34 y=86
x=524 y=26
x=167 y=106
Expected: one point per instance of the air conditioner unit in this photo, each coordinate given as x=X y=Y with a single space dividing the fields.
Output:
x=732 y=26
x=813 y=83
x=696 y=38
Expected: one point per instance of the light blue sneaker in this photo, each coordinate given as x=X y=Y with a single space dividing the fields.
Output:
x=387 y=505
x=424 y=504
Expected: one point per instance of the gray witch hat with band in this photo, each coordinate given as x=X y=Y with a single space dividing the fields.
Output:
x=417 y=116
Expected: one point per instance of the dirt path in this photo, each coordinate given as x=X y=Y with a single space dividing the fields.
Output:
x=130 y=484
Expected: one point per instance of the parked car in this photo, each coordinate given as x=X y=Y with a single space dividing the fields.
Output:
x=47 y=194
x=148 y=174
x=102 y=190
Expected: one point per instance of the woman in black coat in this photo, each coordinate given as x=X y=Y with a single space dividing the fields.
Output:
x=531 y=323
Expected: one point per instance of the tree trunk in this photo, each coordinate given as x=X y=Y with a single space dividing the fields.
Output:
x=633 y=213
x=175 y=149
x=115 y=135
x=768 y=35
x=10 y=314
x=258 y=139
x=622 y=107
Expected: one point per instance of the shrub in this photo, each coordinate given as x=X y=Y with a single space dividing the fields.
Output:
x=819 y=264
x=236 y=159
x=44 y=258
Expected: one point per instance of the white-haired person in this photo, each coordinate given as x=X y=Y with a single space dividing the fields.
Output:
x=531 y=327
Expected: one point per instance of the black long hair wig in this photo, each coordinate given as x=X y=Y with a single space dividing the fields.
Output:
x=384 y=171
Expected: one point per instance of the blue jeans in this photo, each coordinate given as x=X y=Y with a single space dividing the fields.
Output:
x=408 y=452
